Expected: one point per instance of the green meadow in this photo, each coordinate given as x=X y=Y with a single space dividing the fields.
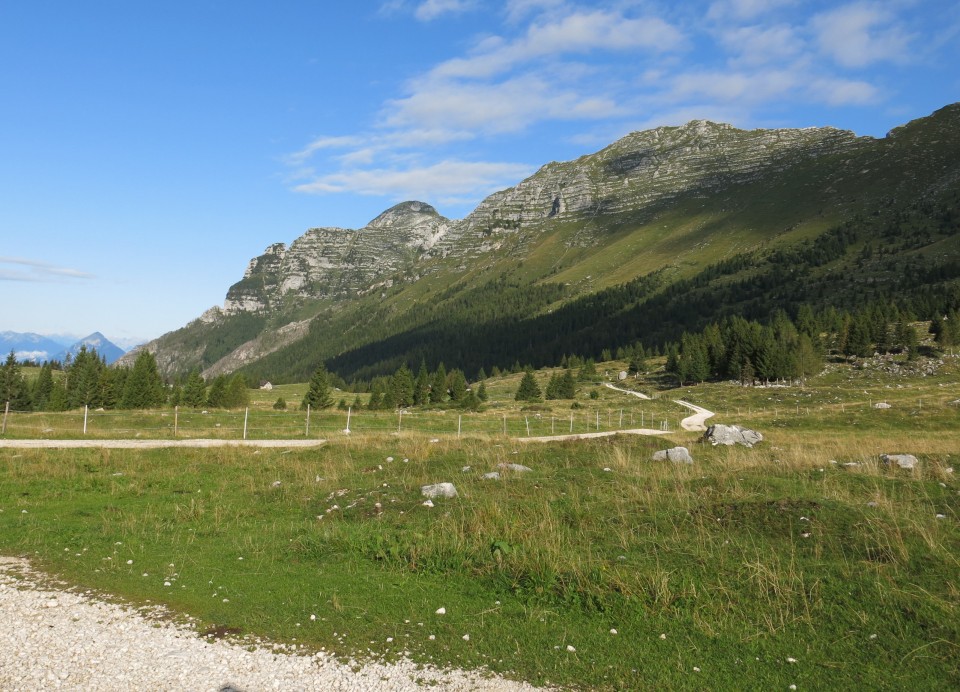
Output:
x=803 y=561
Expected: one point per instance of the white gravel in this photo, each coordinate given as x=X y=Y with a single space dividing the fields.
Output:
x=54 y=639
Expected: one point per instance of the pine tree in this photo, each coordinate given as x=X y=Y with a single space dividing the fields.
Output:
x=42 y=388
x=217 y=394
x=318 y=394
x=402 y=387
x=438 y=385
x=237 y=394
x=568 y=386
x=143 y=387
x=194 y=390
x=528 y=390
x=13 y=385
x=482 y=391
x=421 y=386
x=458 y=386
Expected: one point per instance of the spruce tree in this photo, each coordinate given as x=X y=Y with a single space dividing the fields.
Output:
x=402 y=387
x=458 y=386
x=319 y=394
x=421 y=386
x=438 y=385
x=528 y=390
x=143 y=387
x=13 y=385
x=217 y=394
x=194 y=390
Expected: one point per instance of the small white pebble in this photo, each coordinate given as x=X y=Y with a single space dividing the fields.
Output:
x=389 y=639
x=432 y=637
x=873 y=636
x=441 y=611
x=790 y=659
x=663 y=636
x=466 y=637
x=613 y=631
x=941 y=516
x=313 y=617
x=696 y=670
x=226 y=600
x=793 y=687
x=571 y=648
x=166 y=583
x=608 y=470
x=389 y=458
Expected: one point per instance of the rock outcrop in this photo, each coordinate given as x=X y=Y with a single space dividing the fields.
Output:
x=731 y=435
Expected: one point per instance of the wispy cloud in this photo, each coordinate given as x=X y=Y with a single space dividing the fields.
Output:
x=861 y=34
x=21 y=269
x=600 y=69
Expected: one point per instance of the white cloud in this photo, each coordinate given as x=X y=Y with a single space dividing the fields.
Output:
x=429 y=10
x=861 y=34
x=440 y=180
x=37 y=271
x=745 y=9
x=576 y=33
x=758 y=45
x=508 y=106
x=843 y=92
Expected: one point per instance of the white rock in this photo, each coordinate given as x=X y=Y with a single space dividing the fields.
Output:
x=441 y=611
x=447 y=490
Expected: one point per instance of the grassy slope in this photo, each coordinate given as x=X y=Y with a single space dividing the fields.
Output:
x=745 y=560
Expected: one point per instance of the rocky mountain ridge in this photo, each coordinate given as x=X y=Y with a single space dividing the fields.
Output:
x=671 y=197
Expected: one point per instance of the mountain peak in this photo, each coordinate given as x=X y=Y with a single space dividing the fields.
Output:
x=405 y=214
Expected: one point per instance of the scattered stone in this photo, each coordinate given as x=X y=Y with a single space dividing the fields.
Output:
x=492 y=476
x=439 y=490
x=941 y=516
x=882 y=405
x=465 y=469
x=441 y=611
x=428 y=503
x=679 y=455
x=872 y=504
x=519 y=468
x=571 y=648
x=731 y=435
x=904 y=461
x=276 y=484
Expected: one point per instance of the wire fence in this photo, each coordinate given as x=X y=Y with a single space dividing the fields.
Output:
x=257 y=424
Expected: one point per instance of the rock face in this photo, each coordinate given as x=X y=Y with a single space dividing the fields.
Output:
x=904 y=461
x=731 y=435
x=639 y=172
x=329 y=262
x=679 y=455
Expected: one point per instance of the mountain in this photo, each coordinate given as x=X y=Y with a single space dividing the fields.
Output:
x=29 y=346
x=660 y=232
x=109 y=351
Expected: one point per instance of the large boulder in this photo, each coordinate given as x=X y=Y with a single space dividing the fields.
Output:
x=679 y=455
x=731 y=435
x=904 y=461
x=439 y=490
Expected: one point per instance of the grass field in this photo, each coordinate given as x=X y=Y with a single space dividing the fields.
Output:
x=803 y=561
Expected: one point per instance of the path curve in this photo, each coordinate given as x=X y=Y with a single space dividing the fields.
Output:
x=694 y=423
x=589 y=436
x=639 y=395
x=152 y=444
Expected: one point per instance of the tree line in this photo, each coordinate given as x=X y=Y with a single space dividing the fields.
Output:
x=86 y=380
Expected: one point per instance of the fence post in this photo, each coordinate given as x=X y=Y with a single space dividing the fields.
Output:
x=6 y=412
x=504 y=424
x=399 y=419
x=459 y=424
x=307 y=433
x=598 y=419
x=527 y=420
x=246 y=415
x=571 y=422
x=176 y=419
x=349 y=411
x=86 y=411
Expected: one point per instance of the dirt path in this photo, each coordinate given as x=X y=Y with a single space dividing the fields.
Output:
x=639 y=395
x=588 y=436
x=152 y=444
x=696 y=422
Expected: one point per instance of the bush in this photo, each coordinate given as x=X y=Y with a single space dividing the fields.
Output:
x=280 y=404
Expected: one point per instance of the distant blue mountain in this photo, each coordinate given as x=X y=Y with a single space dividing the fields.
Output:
x=104 y=347
x=39 y=348
x=28 y=346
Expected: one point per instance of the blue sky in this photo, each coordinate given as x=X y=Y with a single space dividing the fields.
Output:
x=149 y=150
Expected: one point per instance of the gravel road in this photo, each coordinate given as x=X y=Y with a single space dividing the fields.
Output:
x=52 y=639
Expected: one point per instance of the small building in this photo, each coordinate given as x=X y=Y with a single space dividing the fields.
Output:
x=266 y=386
